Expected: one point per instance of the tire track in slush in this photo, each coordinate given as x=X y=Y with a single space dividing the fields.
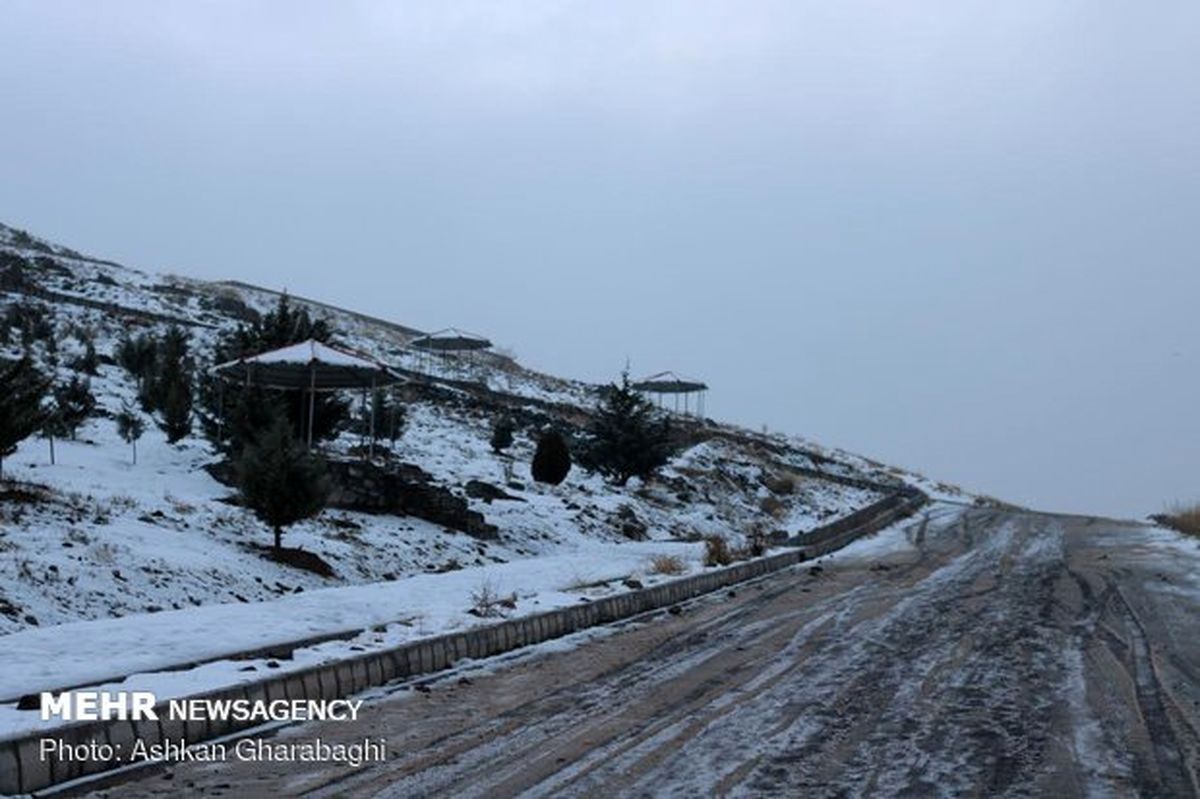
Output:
x=644 y=746
x=524 y=745
x=1001 y=653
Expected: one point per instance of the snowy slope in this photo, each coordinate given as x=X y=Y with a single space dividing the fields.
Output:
x=94 y=536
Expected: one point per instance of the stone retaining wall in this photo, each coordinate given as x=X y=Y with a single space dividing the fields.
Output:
x=404 y=490
x=22 y=770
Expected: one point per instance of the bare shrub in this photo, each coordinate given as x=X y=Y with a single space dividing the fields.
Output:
x=1184 y=517
x=121 y=503
x=104 y=553
x=716 y=551
x=179 y=506
x=487 y=602
x=667 y=564
x=77 y=501
x=581 y=583
x=771 y=506
x=756 y=545
x=76 y=536
x=782 y=484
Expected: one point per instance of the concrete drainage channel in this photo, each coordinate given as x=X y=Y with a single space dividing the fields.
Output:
x=23 y=770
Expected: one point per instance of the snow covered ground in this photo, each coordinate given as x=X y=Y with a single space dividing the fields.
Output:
x=108 y=538
x=95 y=542
x=376 y=615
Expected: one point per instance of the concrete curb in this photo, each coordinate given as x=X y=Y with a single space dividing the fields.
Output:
x=23 y=770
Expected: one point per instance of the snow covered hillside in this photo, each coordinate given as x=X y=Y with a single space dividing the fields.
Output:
x=96 y=536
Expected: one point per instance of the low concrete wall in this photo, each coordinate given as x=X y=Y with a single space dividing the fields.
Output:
x=22 y=768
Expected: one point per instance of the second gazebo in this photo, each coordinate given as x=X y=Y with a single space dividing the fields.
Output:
x=669 y=384
x=450 y=342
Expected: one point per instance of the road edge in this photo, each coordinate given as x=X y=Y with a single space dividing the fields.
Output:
x=23 y=770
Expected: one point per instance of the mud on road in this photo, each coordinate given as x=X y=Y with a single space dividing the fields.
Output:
x=965 y=652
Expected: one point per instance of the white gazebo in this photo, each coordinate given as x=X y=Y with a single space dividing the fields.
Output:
x=310 y=366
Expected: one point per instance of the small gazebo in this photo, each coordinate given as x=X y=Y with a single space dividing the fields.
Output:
x=669 y=384
x=449 y=342
x=310 y=366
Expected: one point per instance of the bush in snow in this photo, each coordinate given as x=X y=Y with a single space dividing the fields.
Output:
x=502 y=434
x=279 y=479
x=130 y=427
x=552 y=460
x=21 y=412
x=626 y=438
x=716 y=551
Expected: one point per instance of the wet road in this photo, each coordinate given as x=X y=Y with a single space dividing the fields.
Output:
x=968 y=652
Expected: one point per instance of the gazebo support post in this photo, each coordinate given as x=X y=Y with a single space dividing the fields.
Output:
x=312 y=401
x=371 y=445
x=362 y=434
x=392 y=421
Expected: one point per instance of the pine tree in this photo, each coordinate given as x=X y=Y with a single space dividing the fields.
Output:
x=87 y=363
x=389 y=417
x=169 y=391
x=137 y=356
x=91 y=361
x=130 y=427
x=627 y=440
x=21 y=411
x=279 y=480
x=502 y=434
x=73 y=404
x=177 y=411
x=552 y=459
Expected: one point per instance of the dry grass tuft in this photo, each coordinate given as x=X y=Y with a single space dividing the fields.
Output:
x=667 y=564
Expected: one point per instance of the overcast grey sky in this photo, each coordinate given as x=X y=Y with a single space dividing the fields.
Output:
x=953 y=235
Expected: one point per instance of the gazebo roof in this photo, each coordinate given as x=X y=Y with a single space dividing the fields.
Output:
x=308 y=364
x=450 y=340
x=669 y=383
